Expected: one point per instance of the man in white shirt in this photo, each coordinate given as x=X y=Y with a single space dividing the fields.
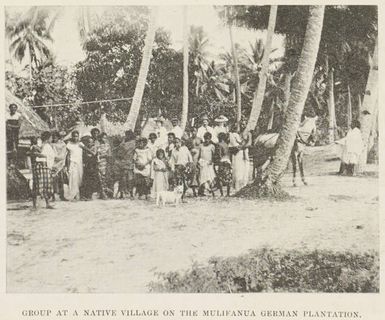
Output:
x=180 y=157
x=176 y=129
x=161 y=133
x=206 y=128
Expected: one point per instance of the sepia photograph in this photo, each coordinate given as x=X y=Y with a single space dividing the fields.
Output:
x=192 y=149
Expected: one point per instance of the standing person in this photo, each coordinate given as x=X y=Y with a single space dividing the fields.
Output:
x=240 y=158
x=206 y=157
x=224 y=167
x=33 y=152
x=159 y=169
x=194 y=145
x=44 y=161
x=125 y=160
x=91 y=181
x=352 y=146
x=206 y=128
x=180 y=158
x=153 y=143
x=103 y=158
x=170 y=144
x=13 y=119
x=74 y=163
x=60 y=174
x=176 y=129
x=221 y=125
x=161 y=133
x=95 y=135
x=142 y=160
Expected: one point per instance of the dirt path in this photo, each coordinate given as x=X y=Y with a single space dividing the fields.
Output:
x=117 y=246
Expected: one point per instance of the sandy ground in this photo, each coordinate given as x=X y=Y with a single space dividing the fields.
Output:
x=117 y=246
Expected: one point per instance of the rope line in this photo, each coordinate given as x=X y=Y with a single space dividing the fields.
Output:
x=79 y=103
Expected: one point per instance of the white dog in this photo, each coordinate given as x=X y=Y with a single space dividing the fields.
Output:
x=164 y=197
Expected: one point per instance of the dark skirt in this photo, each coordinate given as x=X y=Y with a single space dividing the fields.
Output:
x=42 y=180
x=142 y=184
x=126 y=181
x=60 y=179
x=225 y=173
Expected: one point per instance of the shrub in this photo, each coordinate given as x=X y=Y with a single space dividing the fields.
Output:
x=268 y=270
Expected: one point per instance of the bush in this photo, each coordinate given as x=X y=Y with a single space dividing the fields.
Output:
x=268 y=270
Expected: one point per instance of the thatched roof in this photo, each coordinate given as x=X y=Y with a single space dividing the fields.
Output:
x=31 y=124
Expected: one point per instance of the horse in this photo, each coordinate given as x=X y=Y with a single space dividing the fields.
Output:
x=263 y=148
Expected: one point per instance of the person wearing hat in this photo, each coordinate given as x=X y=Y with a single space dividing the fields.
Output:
x=206 y=128
x=161 y=133
x=176 y=129
x=221 y=125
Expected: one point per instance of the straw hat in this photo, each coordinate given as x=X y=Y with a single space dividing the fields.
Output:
x=221 y=118
x=205 y=117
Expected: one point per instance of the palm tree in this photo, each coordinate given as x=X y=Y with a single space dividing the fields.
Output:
x=260 y=93
x=198 y=54
x=30 y=36
x=236 y=73
x=144 y=66
x=215 y=82
x=369 y=105
x=301 y=85
x=185 y=69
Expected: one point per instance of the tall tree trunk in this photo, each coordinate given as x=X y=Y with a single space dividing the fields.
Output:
x=349 y=111
x=260 y=92
x=185 y=69
x=236 y=76
x=144 y=66
x=299 y=92
x=271 y=115
x=330 y=100
x=368 y=106
x=286 y=91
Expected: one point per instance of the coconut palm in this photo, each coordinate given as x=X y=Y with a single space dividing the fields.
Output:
x=301 y=85
x=30 y=36
x=144 y=66
x=214 y=81
x=260 y=93
x=185 y=69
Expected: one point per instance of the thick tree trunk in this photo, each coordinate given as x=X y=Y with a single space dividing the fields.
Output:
x=260 y=92
x=368 y=106
x=141 y=83
x=331 y=106
x=286 y=90
x=349 y=111
x=236 y=77
x=185 y=70
x=299 y=92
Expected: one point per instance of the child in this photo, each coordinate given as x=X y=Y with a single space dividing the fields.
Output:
x=224 y=166
x=206 y=156
x=33 y=152
x=159 y=172
x=142 y=161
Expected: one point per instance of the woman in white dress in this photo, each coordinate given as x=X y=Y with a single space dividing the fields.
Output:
x=75 y=165
x=239 y=144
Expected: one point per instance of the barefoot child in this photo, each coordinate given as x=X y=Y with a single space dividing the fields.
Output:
x=206 y=156
x=159 y=169
x=224 y=167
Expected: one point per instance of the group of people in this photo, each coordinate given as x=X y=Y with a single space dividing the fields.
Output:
x=201 y=159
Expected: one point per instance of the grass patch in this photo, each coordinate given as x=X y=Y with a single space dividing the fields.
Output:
x=268 y=270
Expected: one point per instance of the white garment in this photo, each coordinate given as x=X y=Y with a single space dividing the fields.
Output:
x=162 y=136
x=177 y=131
x=15 y=116
x=352 y=146
x=75 y=152
x=218 y=130
x=75 y=177
x=49 y=153
x=202 y=130
x=240 y=164
x=180 y=157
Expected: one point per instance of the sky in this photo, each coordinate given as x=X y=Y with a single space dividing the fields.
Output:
x=68 y=51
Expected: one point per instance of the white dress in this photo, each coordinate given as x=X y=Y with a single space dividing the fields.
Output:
x=352 y=146
x=240 y=163
x=75 y=171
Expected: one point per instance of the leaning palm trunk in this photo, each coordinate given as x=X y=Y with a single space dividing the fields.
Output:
x=140 y=85
x=286 y=90
x=260 y=93
x=368 y=106
x=185 y=70
x=236 y=76
x=300 y=89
